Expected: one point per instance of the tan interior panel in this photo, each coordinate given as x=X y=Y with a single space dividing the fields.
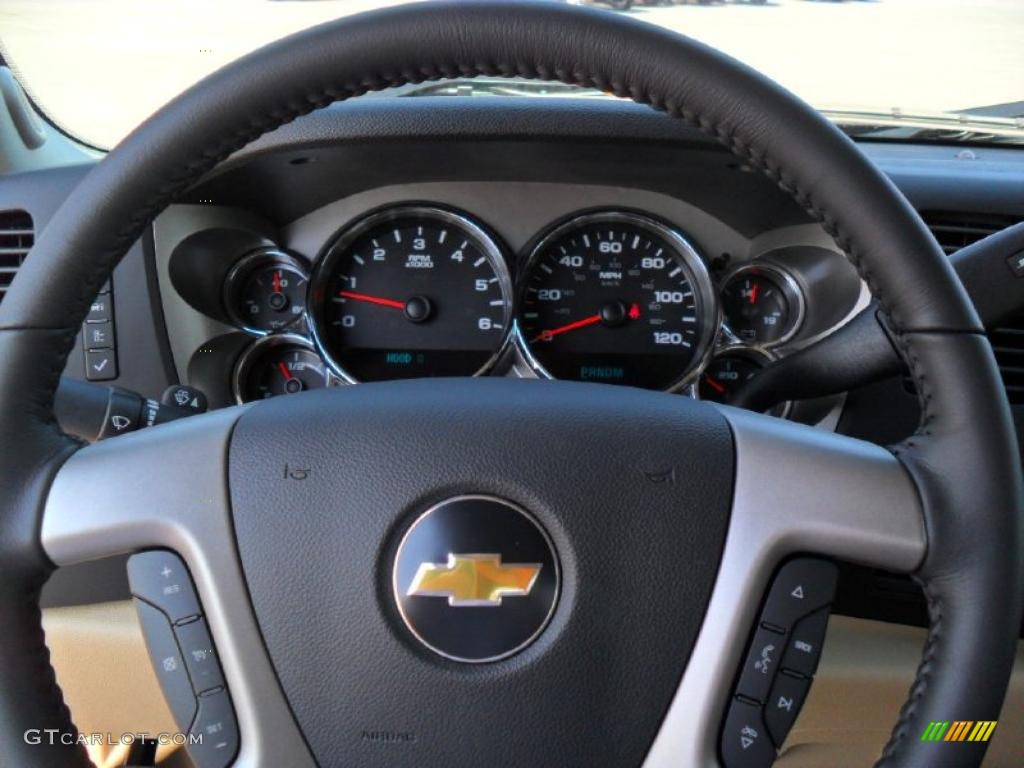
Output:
x=108 y=682
x=865 y=673
x=866 y=670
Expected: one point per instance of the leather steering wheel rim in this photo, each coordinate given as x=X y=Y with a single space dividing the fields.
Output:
x=962 y=458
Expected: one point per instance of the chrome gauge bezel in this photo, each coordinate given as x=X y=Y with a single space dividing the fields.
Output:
x=761 y=354
x=316 y=297
x=252 y=353
x=243 y=268
x=790 y=288
x=710 y=310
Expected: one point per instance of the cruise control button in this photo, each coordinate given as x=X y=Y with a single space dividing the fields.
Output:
x=761 y=664
x=784 y=704
x=802 y=587
x=745 y=741
x=168 y=664
x=160 y=577
x=200 y=658
x=803 y=651
x=216 y=724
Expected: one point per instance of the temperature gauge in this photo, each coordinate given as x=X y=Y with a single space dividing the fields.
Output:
x=266 y=291
x=728 y=371
x=762 y=305
x=280 y=364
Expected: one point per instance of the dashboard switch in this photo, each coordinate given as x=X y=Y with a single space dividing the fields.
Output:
x=216 y=724
x=160 y=578
x=783 y=705
x=745 y=740
x=200 y=658
x=99 y=310
x=168 y=664
x=802 y=587
x=761 y=664
x=99 y=335
x=184 y=396
x=804 y=647
x=100 y=365
x=1016 y=262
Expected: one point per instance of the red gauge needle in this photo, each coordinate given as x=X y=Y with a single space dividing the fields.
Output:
x=284 y=370
x=634 y=312
x=546 y=335
x=277 y=281
x=753 y=293
x=715 y=385
x=373 y=299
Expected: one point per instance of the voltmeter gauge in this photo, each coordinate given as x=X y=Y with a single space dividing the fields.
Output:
x=278 y=364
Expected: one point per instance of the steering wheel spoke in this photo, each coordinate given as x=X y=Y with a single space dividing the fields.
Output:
x=798 y=491
x=167 y=488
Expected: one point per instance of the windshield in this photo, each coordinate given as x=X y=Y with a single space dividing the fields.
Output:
x=98 y=68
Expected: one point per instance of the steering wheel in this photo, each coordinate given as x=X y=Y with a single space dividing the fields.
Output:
x=663 y=518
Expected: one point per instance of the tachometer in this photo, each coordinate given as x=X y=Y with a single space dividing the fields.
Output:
x=412 y=291
x=619 y=298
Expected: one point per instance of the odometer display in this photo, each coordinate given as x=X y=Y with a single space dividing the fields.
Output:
x=412 y=292
x=617 y=298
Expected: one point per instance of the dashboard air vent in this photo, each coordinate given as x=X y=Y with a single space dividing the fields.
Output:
x=16 y=238
x=956 y=230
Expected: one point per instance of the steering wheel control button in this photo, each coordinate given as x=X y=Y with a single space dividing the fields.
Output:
x=803 y=650
x=745 y=740
x=216 y=724
x=475 y=579
x=200 y=658
x=161 y=578
x=783 y=705
x=168 y=664
x=801 y=587
x=761 y=665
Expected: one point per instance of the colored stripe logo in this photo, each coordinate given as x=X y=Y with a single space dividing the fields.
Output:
x=959 y=730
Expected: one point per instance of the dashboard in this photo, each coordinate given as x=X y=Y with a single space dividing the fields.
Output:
x=236 y=290
x=534 y=280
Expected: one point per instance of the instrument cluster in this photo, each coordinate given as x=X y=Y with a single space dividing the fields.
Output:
x=419 y=290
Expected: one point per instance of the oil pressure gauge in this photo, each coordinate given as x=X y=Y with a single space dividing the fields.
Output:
x=266 y=291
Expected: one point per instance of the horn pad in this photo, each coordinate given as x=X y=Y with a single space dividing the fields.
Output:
x=591 y=537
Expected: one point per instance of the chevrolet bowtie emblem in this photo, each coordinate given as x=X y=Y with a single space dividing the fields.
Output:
x=474 y=580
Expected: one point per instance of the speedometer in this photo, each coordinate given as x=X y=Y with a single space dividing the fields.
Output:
x=411 y=291
x=617 y=297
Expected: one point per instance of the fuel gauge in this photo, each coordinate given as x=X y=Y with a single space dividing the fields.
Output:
x=266 y=291
x=279 y=364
